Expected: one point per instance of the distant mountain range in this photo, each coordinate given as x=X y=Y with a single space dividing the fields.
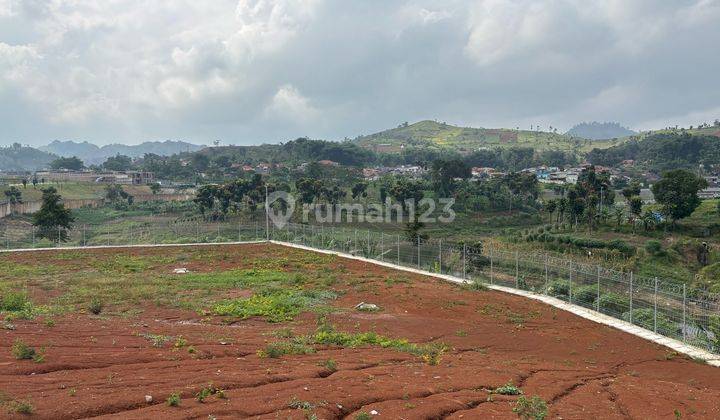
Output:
x=93 y=154
x=599 y=131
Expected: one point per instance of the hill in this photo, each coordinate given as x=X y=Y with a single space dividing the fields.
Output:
x=93 y=154
x=439 y=135
x=20 y=158
x=663 y=151
x=599 y=131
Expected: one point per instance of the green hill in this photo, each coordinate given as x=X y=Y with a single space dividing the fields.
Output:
x=21 y=158
x=467 y=139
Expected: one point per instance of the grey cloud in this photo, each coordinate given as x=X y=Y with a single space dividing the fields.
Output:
x=254 y=71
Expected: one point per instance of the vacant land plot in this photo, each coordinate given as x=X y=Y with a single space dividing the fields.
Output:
x=272 y=332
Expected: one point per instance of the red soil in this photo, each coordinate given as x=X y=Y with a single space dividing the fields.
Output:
x=101 y=366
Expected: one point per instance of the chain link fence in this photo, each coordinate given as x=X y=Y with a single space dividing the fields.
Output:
x=668 y=308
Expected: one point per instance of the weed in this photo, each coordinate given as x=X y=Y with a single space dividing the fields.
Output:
x=508 y=389
x=50 y=322
x=362 y=416
x=23 y=407
x=203 y=394
x=72 y=392
x=14 y=302
x=300 y=405
x=180 y=342
x=173 y=400
x=191 y=350
x=533 y=408
x=329 y=364
x=96 y=306
x=22 y=351
x=461 y=333
x=281 y=348
x=156 y=339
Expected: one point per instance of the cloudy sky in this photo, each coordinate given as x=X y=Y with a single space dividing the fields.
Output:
x=251 y=71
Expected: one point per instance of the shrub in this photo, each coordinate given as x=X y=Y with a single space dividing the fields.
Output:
x=173 y=400
x=508 y=389
x=559 y=288
x=614 y=303
x=96 y=306
x=653 y=247
x=585 y=295
x=22 y=351
x=533 y=408
x=330 y=365
x=23 y=407
x=646 y=318
x=14 y=302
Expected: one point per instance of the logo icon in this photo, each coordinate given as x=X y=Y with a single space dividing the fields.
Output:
x=280 y=207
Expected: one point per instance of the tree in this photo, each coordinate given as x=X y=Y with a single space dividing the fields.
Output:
x=359 y=190
x=115 y=194
x=550 y=207
x=118 y=163
x=631 y=190
x=205 y=197
x=677 y=192
x=14 y=195
x=53 y=220
x=155 y=187
x=69 y=163
x=444 y=172
x=636 y=204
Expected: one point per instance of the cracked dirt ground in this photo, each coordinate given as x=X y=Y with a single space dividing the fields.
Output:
x=105 y=365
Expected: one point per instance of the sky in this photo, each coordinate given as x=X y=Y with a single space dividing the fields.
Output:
x=256 y=71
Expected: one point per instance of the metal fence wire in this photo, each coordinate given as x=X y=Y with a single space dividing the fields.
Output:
x=668 y=308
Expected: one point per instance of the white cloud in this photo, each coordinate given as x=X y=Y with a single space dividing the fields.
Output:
x=261 y=70
x=290 y=105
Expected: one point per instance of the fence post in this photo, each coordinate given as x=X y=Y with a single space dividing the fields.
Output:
x=368 y=255
x=517 y=270
x=355 y=243
x=382 y=246
x=440 y=257
x=197 y=231
x=33 y=236
x=655 y=306
x=464 y=261
x=108 y=235
x=84 y=237
x=491 y=264
x=418 y=246
x=547 y=277
x=398 y=249
x=597 y=303
x=571 y=280
x=631 y=297
x=684 y=310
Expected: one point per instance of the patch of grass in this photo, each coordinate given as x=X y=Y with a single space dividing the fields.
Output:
x=274 y=304
x=362 y=416
x=157 y=340
x=22 y=407
x=14 y=301
x=330 y=365
x=282 y=348
x=430 y=353
x=508 y=389
x=300 y=405
x=533 y=408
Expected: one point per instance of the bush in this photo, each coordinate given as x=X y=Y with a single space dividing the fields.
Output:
x=173 y=400
x=14 y=302
x=22 y=351
x=613 y=303
x=534 y=408
x=585 y=296
x=95 y=306
x=645 y=318
x=559 y=288
x=508 y=389
x=654 y=247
